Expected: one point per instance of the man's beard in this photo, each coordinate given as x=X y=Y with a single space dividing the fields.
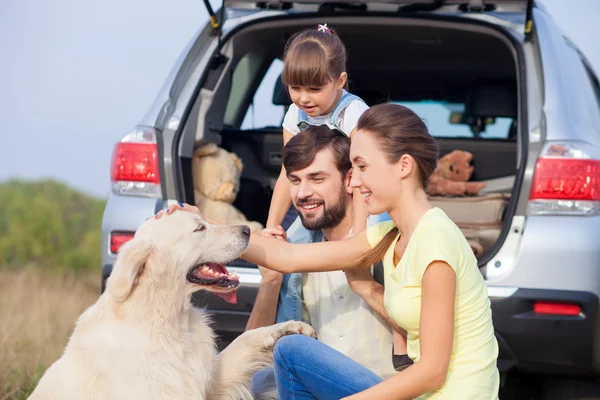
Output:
x=331 y=216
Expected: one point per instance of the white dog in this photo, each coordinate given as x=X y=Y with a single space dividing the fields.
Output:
x=143 y=339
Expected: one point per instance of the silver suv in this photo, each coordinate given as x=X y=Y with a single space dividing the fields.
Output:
x=494 y=77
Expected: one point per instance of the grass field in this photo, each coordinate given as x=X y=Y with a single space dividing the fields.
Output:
x=37 y=313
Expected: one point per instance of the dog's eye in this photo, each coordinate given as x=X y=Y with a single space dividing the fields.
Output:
x=200 y=228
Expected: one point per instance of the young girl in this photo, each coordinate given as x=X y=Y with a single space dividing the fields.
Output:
x=433 y=287
x=314 y=73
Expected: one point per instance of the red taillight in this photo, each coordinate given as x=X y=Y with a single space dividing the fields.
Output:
x=118 y=239
x=548 y=308
x=135 y=162
x=566 y=179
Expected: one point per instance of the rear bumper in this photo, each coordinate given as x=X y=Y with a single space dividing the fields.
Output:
x=547 y=344
x=543 y=344
x=531 y=343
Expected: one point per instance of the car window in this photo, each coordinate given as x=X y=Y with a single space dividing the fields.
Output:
x=436 y=115
x=243 y=75
x=262 y=112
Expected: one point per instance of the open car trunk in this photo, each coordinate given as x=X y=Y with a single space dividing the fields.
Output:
x=460 y=75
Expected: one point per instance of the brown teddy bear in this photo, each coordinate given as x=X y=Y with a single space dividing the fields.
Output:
x=451 y=176
x=216 y=173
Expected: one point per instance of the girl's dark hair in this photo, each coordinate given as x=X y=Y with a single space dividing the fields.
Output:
x=397 y=130
x=302 y=148
x=313 y=58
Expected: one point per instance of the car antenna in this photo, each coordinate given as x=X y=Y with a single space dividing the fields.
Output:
x=217 y=30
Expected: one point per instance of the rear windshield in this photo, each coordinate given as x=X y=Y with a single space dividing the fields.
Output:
x=437 y=115
x=443 y=119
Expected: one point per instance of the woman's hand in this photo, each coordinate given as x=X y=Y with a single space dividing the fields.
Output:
x=178 y=206
x=184 y=207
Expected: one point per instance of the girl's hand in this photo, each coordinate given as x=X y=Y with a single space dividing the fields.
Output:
x=277 y=233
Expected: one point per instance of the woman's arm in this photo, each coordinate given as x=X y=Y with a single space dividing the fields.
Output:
x=285 y=257
x=436 y=331
x=314 y=257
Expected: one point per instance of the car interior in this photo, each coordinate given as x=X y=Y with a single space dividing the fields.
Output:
x=410 y=65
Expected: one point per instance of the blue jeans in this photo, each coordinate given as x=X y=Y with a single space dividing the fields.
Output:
x=308 y=369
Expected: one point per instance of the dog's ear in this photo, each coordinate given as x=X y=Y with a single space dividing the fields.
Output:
x=130 y=264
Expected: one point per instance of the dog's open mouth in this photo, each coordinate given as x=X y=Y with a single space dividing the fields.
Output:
x=219 y=280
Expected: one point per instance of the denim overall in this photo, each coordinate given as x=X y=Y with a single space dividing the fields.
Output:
x=341 y=105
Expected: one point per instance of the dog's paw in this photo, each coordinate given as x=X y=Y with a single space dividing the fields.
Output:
x=288 y=328
x=297 y=327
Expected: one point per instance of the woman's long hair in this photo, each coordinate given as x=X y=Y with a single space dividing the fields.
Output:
x=397 y=131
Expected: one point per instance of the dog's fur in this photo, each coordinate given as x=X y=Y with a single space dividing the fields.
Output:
x=143 y=339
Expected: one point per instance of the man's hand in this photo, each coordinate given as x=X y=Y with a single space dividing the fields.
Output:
x=269 y=276
x=264 y=311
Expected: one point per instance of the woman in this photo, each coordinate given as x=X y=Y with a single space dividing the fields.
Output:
x=433 y=287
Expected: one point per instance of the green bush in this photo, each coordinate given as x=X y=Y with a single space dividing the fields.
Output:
x=47 y=224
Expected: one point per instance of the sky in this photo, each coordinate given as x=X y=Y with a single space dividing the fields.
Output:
x=76 y=76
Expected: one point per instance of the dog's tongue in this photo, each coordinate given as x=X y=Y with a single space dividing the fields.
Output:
x=230 y=297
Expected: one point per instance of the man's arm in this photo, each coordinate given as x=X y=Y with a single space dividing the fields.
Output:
x=362 y=283
x=264 y=311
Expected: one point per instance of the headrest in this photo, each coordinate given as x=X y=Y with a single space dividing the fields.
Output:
x=280 y=95
x=492 y=99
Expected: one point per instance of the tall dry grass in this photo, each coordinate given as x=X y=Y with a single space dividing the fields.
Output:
x=37 y=314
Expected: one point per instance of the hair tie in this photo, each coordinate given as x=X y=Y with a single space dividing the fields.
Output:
x=323 y=28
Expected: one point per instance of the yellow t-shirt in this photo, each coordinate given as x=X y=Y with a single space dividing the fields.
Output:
x=472 y=373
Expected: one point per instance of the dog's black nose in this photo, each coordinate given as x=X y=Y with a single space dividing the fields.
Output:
x=246 y=230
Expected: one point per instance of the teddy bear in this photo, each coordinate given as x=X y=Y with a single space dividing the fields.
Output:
x=451 y=176
x=216 y=174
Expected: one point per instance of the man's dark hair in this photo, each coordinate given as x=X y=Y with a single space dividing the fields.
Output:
x=302 y=148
